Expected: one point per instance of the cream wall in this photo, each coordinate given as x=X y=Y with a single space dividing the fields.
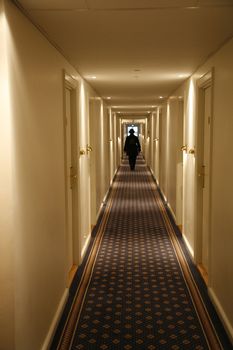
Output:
x=120 y=137
x=37 y=109
x=106 y=150
x=102 y=154
x=221 y=244
x=166 y=144
x=221 y=199
x=33 y=263
x=174 y=154
x=163 y=142
x=115 y=142
x=155 y=144
x=102 y=157
x=6 y=203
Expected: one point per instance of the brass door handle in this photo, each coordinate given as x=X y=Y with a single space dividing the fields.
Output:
x=82 y=152
x=184 y=148
x=89 y=148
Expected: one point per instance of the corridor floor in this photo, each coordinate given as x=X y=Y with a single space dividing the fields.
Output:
x=138 y=289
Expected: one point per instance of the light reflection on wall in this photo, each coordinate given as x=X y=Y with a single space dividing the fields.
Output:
x=111 y=144
x=102 y=148
x=191 y=114
x=167 y=148
x=157 y=136
x=7 y=196
x=84 y=167
x=82 y=115
x=6 y=126
x=189 y=168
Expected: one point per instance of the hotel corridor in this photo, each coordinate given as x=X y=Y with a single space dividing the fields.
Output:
x=138 y=288
x=94 y=256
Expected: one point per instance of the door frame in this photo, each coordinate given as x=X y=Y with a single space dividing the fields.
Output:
x=203 y=83
x=73 y=85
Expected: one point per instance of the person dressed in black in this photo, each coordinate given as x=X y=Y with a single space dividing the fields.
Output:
x=132 y=148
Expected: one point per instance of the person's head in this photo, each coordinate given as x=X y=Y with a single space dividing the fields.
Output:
x=131 y=131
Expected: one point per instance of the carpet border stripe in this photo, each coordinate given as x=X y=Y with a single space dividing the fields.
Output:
x=68 y=330
x=202 y=313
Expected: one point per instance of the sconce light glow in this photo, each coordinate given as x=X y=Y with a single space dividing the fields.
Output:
x=93 y=77
x=184 y=75
x=108 y=98
x=160 y=97
x=192 y=7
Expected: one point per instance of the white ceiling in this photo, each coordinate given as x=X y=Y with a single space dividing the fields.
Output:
x=137 y=49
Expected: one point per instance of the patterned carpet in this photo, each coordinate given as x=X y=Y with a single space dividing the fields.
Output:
x=137 y=290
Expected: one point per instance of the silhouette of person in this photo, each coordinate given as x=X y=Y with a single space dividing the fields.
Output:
x=132 y=148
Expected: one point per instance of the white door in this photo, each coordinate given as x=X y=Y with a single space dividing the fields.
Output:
x=71 y=174
x=206 y=177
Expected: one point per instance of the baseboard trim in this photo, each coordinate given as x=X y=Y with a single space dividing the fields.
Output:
x=100 y=208
x=163 y=195
x=171 y=211
x=97 y=216
x=111 y=182
x=153 y=175
x=221 y=313
x=190 y=249
x=103 y=203
x=85 y=245
x=56 y=319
